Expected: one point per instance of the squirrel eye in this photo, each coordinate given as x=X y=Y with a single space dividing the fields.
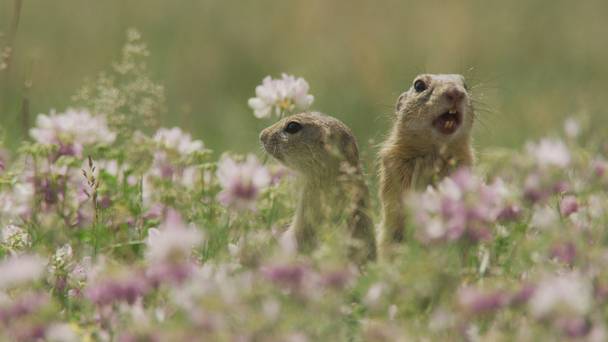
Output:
x=419 y=86
x=293 y=127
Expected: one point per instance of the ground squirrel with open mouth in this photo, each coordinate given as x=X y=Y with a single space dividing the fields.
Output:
x=324 y=154
x=431 y=136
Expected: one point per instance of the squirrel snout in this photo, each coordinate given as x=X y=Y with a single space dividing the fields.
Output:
x=264 y=137
x=454 y=95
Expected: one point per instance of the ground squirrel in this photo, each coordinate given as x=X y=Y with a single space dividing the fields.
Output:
x=430 y=136
x=324 y=154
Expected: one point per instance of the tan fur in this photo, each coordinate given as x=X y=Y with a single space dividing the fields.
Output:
x=416 y=154
x=325 y=156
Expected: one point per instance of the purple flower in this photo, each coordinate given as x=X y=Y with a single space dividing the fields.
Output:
x=241 y=182
x=523 y=294
x=537 y=188
x=477 y=302
x=337 y=279
x=509 y=213
x=568 y=206
x=599 y=167
x=173 y=241
x=108 y=291
x=288 y=275
x=574 y=327
x=564 y=252
x=462 y=206
x=25 y=305
x=165 y=272
x=130 y=337
x=69 y=150
x=72 y=130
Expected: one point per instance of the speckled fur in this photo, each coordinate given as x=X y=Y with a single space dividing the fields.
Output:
x=415 y=154
x=325 y=156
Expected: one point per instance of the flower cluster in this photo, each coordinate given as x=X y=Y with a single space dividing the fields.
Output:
x=176 y=140
x=15 y=239
x=462 y=206
x=153 y=239
x=278 y=96
x=241 y=181
x=72 y=130
x=549 y=152
x=172 y=148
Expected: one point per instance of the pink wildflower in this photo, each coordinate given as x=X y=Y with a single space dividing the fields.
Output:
x=241 y=182
x=568 y=206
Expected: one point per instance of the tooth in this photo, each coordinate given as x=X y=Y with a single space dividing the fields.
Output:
x=452 y=111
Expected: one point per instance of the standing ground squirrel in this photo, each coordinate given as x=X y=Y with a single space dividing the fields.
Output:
x=431 y=135
x=324 y=154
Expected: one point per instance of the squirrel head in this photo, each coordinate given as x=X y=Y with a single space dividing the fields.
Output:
x=311 y=144
x=436 y=107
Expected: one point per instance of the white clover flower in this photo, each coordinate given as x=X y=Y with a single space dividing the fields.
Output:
x=279 y=95
x=241 y=182
x=449 y=189
x=175 y=139
x=20 y=269
x=18 y=201
x=572 y=127
x=62 y=332
x=15 y=238
x=549 y=152
x=72 y=129
x=544 y=217
x=569 y=294
x=374 y=294
x=174 y=239
x=62 y=257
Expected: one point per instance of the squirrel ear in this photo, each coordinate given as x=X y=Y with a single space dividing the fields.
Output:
x=349 y=149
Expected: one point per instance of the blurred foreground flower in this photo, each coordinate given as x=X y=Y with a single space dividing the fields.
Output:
x=177 y=140
x=461 y=206
x=241 y=182
x=16 y=202
x=286 y=94
x=72 y=130
x=568 y=295
x=124 y=288
x=15 y=238
x=549 y=152
x=476 y=301
x=572 y=127
x=568 y=205
x=17 y=270
x=173 y=241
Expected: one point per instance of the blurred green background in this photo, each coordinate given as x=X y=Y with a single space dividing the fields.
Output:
x=535 y=62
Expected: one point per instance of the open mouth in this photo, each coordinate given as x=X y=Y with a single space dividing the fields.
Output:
x=448 y=122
